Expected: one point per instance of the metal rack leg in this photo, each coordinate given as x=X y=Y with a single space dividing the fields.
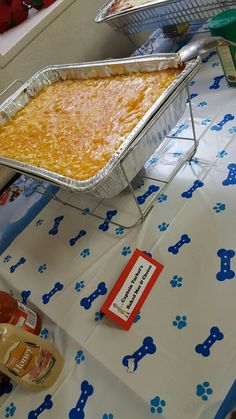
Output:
x=196 y=142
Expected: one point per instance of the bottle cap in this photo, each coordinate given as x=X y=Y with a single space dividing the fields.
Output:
x=224 y=25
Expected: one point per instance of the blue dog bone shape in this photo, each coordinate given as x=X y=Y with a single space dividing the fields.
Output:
x=183 y=126
x=46 y=405
x=204 y=348
x=189 y=193
x=206 y=59
x=76 y=238
x=54 y=229
x=25 y=295
x=14 y=267
x=231 y=178
x=147 y=347
x=86 y=302
x=175 y=248
x=46 y=297
x=225 y=271
x=218 y=127
x=109 y=215
x=216 y=83
x=78 y=411
x=192 y=96
x=6 y=388
x=142 y=198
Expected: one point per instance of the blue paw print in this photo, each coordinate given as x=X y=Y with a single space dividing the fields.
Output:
x=204 y=390
x=80 y=357
x=219 y=207
x=232 y=130
x=79 y=285
x=162 y=198
x=202 y=104
x=42 y=268
x=85 y=253
x=7 y=259
x=39 y=222
x=192 y=82
x=99 y=316
x=44 y=333
x=85 y=211
x=157 y=405
x=215 y=64
x=177 y=154
x=176 y=281
x=10 y=410
x=221 y=154
x=193 y=161
x=141 y=183
x=180 y=322
x=108 y=416
x=163 y=226
x=126 y=251
x=120 y=231
x=206 y=121
x=153 y=160
x=137 y=318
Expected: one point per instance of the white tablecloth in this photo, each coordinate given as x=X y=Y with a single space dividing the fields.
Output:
x=188 y=299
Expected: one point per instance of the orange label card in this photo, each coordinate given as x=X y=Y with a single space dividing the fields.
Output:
x=132 y=288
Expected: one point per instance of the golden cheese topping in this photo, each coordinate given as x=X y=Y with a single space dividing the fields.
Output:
x=74 y=127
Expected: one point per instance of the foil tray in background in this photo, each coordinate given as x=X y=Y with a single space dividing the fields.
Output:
x=161 y=13
x=146 y=136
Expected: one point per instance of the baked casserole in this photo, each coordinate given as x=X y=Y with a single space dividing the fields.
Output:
x=74 y=127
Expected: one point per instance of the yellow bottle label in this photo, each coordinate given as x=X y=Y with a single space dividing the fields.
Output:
x=29 y=362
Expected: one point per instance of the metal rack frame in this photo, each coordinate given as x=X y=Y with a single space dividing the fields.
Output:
x=168 y=13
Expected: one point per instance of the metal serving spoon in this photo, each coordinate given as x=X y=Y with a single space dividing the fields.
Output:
x=200 y=46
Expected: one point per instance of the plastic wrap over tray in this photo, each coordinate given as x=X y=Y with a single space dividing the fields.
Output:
x=146 y=136
x=160 y=13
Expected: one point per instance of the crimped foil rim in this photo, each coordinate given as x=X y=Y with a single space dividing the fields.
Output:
x=104 y=17
x=94 y=181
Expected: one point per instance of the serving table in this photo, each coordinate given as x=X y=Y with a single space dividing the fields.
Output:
x=190 y=311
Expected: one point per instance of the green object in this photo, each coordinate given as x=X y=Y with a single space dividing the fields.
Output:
x=224 y=25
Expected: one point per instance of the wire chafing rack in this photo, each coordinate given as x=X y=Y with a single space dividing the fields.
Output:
x=165 y=14
x=142 y=199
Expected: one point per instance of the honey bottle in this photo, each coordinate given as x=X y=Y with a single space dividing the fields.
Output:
x=28 y=359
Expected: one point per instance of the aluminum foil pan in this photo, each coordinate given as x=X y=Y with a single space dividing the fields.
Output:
x=161 y=13
x=147 y=135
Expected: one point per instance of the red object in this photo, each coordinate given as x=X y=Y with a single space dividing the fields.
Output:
x=48 y=2
x=38 y=4
x=5 y=16
x=19 y=12
x=4 y=197
x=13 y=12
x=132 y=289
x=17 y=314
